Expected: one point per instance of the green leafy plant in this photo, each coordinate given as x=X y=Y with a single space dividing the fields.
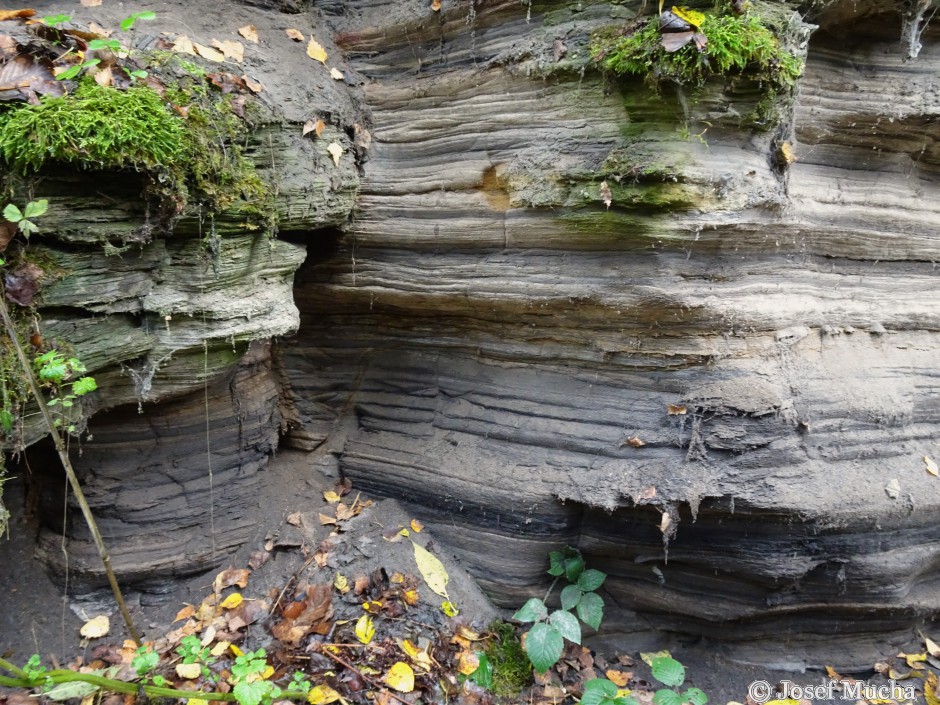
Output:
x=671 y=673
x=128 y=22
x=250 y=688
x=66 y=379
x=192 y=651
x=545 y=641
x=23 y=219
x=601 y=691
x=145 y=661
x=55 y=20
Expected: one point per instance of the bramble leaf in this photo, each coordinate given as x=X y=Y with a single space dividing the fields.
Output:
x=664 y=696
x=591 y=579
x=532 y=611
x=570 y=597
x=668 y=671
x=544 y=646
x=597 y=690
x=696 y=696
x=591 y=609
x=567 y=625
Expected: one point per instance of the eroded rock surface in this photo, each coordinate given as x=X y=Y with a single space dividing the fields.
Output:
x=489 y=337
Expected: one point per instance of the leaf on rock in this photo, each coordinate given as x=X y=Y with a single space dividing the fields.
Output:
x=646 y=494
x=96 y=627
x=416 y=526
x=401 y=677
x=22 y=284
x=932 y=647
x=322 y=695
x=416 y=654
x=635 y=442
x=668 y=671
x=931 y=467
x=674 y=41
x=787 y=153
x=325 y=519
x=665 y=522
x=676 y=409
x=15 y=14
x=336 y=151
x=230 y=49
x=294 y=34
x=185 y=613
x=209 y=53
x=253 y=85
x=337 y=74
x=606 y=195
x=184 y=45
x=330 y=496
x=436 y=5
x=411 y=597
x=104 y=77
x=315 y=51
x=249 y=32
x=231 y=576
x=23 y=77
x=619 y=678
x=467 y=662
x=91 y=3
x=432 y=570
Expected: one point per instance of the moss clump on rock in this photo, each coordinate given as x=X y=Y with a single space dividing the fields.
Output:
x=737 y=45
x=512 y=670
x=97 y=127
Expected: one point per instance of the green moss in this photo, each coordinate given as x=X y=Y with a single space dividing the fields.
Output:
x=512 y=670
x=738 y=45
x=96 y=127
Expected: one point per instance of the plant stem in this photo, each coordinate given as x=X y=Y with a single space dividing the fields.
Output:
x=67 y=465
x=550 y=588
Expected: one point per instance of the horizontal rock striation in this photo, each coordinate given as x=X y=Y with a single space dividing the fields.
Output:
x=491 y=343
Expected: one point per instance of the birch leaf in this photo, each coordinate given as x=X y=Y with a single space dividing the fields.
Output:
x=209 y=53
x=294 y=34
x=931 y=466
x=96 y=627
x=337 y=74
x=401 y=677
x=316 y=52
x=365 y=629
x=249 y=32
x=432 y=570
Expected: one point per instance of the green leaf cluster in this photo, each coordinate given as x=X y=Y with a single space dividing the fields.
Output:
x=671 y=673
x=23 y=219
x=545 y=641
x=250 y=688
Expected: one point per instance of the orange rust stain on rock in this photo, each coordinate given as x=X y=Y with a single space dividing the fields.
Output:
x=493 y=190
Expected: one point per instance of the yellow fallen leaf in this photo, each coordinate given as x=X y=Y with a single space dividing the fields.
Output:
x=249 y=32
x=336 y=152
x=914 y=659
x=419 y=656
x=197 y=701
x=416 y=526
x=235 y=650
x=432 y=570
x=315 y=51
x=184 y=45
x=96 y=627
x=341 y=583
x=436 y=5
x=232 y=601
x=209 y=53
x=931 y=465
x=401 y=677
x=930 y=690
x=648 y=656
x=189 y=671
x=337 y=74
x=932 y=647
x=468 y=662
x=294 y=34
x=220 y=648
x=397 y=578
x=330 y=496
x=411 y=597
x=449 y=608
x=185 y=613
x=322 y=695
x=325 y=518
x=787 y=153
x=693 y=17
x=230 y=49
x=365 y=629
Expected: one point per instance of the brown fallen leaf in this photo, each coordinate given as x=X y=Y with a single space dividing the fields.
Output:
x=209 y=53
x=253 y=85
x=15 y=14
x=325 y=519
x=258 y=559
x=634 y=442
x=184 y=45
x=436 y=5
x=23 y=78
x=96 y=627
x=185 y=613
x=294 y=519
x=676 y=409
x=96 y=28
x=23 y=283
x=249 y=32
x=619 y=678
x=231 y=576
x=335 y=151
x=7 y=233
x=104 y=77
x=646 y=494
x=294 y=34
x=416 y=526
x=316 y=52
x=666 y=521
x=230 y=49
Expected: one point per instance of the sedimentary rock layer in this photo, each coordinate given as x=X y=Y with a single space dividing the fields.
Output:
x=492 y=344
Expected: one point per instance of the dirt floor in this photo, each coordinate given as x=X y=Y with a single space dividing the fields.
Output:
x=35 y=617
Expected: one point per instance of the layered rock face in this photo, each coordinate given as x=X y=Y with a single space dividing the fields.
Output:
x=174 y=318
x=491 y=343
